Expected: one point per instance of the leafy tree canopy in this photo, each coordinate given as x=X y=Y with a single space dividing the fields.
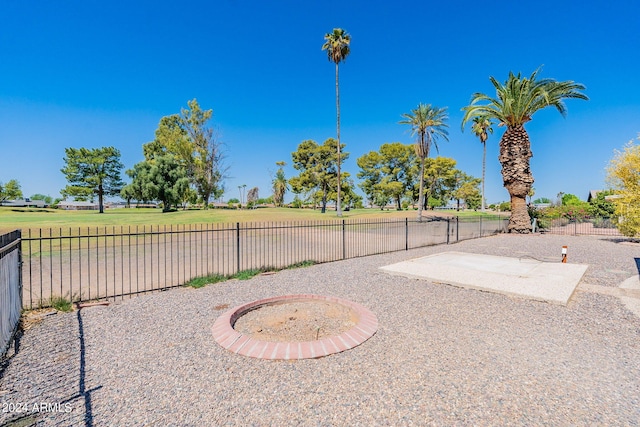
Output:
x=318 y=169
x=440 y=175
x=601 y=207
x=191 y=140
x=467 y=189
x=571 y=200
x=388 y=173
x=163 y=179
x=624 y=177
x=92 y=171
x=10 y=191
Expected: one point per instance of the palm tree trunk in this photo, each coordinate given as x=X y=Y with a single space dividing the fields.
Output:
x=484 y=164
x=338 y=209
x=515 y=152
x=421 y=192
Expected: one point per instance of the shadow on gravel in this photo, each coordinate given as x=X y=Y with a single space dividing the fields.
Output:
x=31 y=418
x=82 y=391
x=16 y=347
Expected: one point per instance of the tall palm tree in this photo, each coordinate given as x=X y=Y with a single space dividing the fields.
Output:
x=481 y=128
x=280 y=185
x=515 y=103
x=428 y=122
x=337 y=46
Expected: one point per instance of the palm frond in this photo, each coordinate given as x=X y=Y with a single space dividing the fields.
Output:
x=518 y=98
x=337 y=45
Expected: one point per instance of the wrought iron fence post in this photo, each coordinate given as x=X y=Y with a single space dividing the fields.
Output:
x=457 y=228
x=343 y=242
x=406 y=234
x=19 y=231
x=448 y=224
x=238 y=246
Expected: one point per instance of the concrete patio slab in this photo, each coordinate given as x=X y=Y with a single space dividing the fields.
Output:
x=553 y=282
x=633 y=304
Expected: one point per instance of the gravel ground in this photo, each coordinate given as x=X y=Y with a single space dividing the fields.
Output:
x=442 y=355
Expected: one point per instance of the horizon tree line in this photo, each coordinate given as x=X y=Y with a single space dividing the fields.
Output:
x=188 y=138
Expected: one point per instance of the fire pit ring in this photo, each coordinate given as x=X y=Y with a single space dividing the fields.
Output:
x=236 y=342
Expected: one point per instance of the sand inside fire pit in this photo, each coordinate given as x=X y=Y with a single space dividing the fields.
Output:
x=308 y=320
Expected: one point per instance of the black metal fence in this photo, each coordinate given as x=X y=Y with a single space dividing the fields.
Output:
x=84 y=264
x=10 y=288
x=588 y=226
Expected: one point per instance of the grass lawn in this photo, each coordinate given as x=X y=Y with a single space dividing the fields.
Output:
x=14 y=218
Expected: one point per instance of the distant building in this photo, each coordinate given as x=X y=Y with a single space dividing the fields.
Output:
x=593 y=194
x=24 y=203
x=78 y=206
x=541 y=205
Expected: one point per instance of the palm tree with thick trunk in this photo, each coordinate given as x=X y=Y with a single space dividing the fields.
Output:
x=428 y=123
x=515 y=103
x=481 y=128
x=280 y=185
x=337 y=46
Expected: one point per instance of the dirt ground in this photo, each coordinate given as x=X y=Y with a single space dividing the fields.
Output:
x=296 y=321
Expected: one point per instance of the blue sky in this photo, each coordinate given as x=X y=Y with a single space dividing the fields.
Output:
x=94 y=73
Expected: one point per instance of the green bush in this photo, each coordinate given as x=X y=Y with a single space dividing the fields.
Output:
x=61 y=304
x=247 y=274
x=505 y=207
x=199 y=282
x=599 y=207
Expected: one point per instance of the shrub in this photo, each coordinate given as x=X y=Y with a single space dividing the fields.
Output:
x=505 y=207
x=600 y=222
x=61 y=304
x=198 y=282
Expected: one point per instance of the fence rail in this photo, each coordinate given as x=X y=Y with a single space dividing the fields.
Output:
x=84 y=264
x=588 y=226
x=10 y=288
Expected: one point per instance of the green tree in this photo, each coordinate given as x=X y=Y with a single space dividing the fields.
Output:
x=189 y=137
x=317 y=166
x=10 y=191
x=387 y=173
x=514 y=105
x=170 y=138
x=623 y=174
x=347 y=188
x=569 y=199
x=337 y=46
x=440 y=177
x=481 y=128
x=428 y=123
x=600 y=207
x=467 y=190
x=128 y=193
x=188 y=196
x=205 y=165
x=163 y=179
x=94 y=171
x=280 y=185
